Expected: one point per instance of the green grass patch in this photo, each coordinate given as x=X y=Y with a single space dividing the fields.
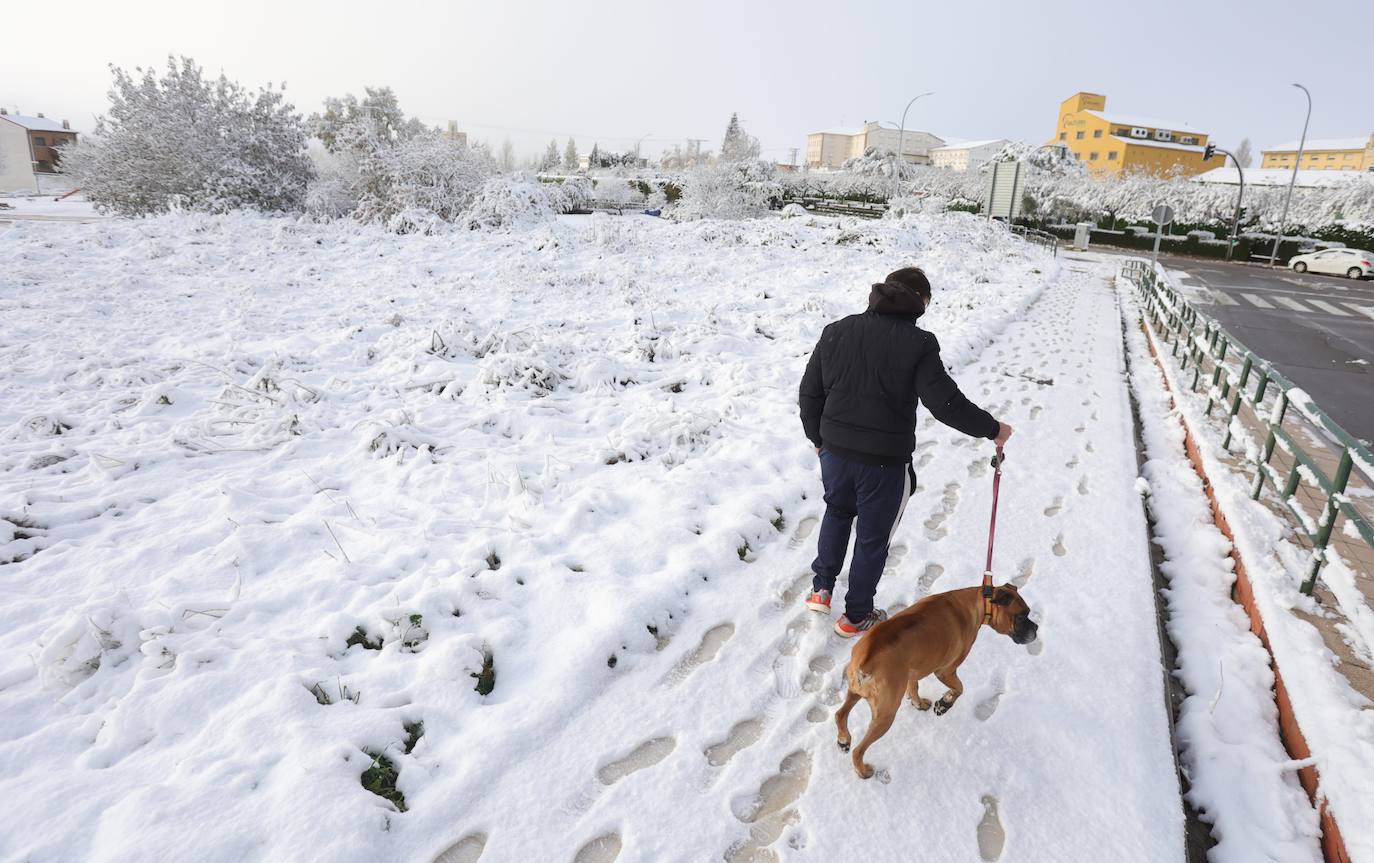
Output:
x=380 y=779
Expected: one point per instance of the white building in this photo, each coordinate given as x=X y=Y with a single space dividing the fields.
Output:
x=969 y=155
x=832 y=147
x=29 y=153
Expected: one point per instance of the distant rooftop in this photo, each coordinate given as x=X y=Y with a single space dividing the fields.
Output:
x=849 y=132
x=36 y=124
x=1144 y=122
x=1321 y=144
x=1310 y=179
x=970 y=145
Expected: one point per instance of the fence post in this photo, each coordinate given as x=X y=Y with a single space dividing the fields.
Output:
x=1328 y=521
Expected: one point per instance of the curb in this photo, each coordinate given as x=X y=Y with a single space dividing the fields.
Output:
x=1333 y=846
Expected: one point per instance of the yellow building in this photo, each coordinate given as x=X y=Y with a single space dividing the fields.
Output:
x=1329 y=154
x=1111 y=143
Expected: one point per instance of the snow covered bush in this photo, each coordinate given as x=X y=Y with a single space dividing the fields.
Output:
x=509 y=202
x=184 y=141
x=740 y=190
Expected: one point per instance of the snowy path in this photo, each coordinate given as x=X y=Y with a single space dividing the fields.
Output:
x=230 y=443
x=1066 y=742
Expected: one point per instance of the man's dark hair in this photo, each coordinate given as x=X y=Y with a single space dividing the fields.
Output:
x=911 y=278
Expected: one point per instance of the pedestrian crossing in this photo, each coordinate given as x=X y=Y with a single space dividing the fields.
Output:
x=1303 y=304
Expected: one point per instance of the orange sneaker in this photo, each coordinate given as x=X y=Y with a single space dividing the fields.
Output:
x=845 y=628
x=819 y=600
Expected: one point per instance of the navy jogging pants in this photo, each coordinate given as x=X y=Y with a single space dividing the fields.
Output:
x=874 y=494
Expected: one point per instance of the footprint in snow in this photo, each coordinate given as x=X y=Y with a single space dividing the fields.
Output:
x=1071 y=463
x=793 y=591
x=1083 y=484
x=1024 y=573
x=928 y=579
x=1035 y=411
x=1059 y=548
x=704 y=652
x=1055 y=508
x=602 y=849
x=804 y=529
x=646 y=754
x=741 y=736
x=465 y=850
x=819 y=667
x=984 y=709
x=767 y=812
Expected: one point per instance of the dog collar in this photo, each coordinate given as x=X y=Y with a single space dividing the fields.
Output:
x=987 y=597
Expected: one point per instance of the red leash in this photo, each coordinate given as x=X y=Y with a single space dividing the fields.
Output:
x=992 y=533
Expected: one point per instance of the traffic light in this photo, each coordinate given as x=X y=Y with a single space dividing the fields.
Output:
x=1209 y=152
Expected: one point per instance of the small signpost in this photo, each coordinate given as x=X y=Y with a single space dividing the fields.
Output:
x=1006 y=181
x=1161 y=215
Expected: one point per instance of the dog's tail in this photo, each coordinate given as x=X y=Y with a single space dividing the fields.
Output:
x=859 y=679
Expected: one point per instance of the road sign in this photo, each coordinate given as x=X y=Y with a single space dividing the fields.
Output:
x=1162 y=214
x=1006 y=181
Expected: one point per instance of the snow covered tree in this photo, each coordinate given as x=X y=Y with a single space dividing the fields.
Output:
x=550 y=160
x=1243 y=155
x=594 y=159
x=183 y=140
x=738 y=190
x=571 y=160
x=378 y=106
x=738 y=145
x=507 y=158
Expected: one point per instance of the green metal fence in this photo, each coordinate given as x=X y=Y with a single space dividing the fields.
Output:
x=1230 y=376
x=1044 y=239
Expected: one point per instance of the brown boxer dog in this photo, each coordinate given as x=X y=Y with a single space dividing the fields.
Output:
x=931 y=637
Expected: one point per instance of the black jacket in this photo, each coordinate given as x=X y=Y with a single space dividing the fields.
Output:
x=859 y=394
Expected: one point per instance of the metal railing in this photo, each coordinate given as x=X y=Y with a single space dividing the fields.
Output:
x=1038 y=237
x=836 y=206
x=1231 y=376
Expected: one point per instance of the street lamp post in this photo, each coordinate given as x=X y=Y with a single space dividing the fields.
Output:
x=901 y=139
x=637 y=143
x=1273 y=253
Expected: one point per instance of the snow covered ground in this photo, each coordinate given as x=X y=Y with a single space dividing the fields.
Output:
x=568 y=457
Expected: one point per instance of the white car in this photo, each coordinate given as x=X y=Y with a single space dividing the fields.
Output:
x=1351 y=263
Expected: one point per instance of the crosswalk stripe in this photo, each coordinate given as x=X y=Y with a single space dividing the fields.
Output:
x=1224 y=299
x=1364 y=310
x=1330 y=307
x=1292 y=304
x=1257 y=300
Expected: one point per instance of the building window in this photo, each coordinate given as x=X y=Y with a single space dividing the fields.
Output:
x=1121 y=131
x=1063 y=136
x=1092 y=157
x=1097 y=133
x=1111 y=157
x=1078 y=136
x=39 y=141
x=1330 y=156
x=1188 y=140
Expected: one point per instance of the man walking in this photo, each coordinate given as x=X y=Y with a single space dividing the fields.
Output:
x=858 y=408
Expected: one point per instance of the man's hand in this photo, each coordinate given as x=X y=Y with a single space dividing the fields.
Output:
x=818 y=452
x=1004 y=431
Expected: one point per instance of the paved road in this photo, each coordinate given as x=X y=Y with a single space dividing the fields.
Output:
x=1317 y=330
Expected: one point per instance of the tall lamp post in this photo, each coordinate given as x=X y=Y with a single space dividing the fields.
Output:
x=637 y=143
x=901 y=139
x=1273 y=253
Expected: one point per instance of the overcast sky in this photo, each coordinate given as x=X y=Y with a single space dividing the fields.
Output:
x=611 y=72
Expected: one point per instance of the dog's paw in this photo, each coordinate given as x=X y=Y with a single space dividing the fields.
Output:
x=943 y=705
x=843 y=744
x=865 y=771
x=920 y=703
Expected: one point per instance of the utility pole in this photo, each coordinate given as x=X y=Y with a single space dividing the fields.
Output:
x=1273 y=253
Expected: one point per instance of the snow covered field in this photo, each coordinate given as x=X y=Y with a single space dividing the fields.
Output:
x=568 y=458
